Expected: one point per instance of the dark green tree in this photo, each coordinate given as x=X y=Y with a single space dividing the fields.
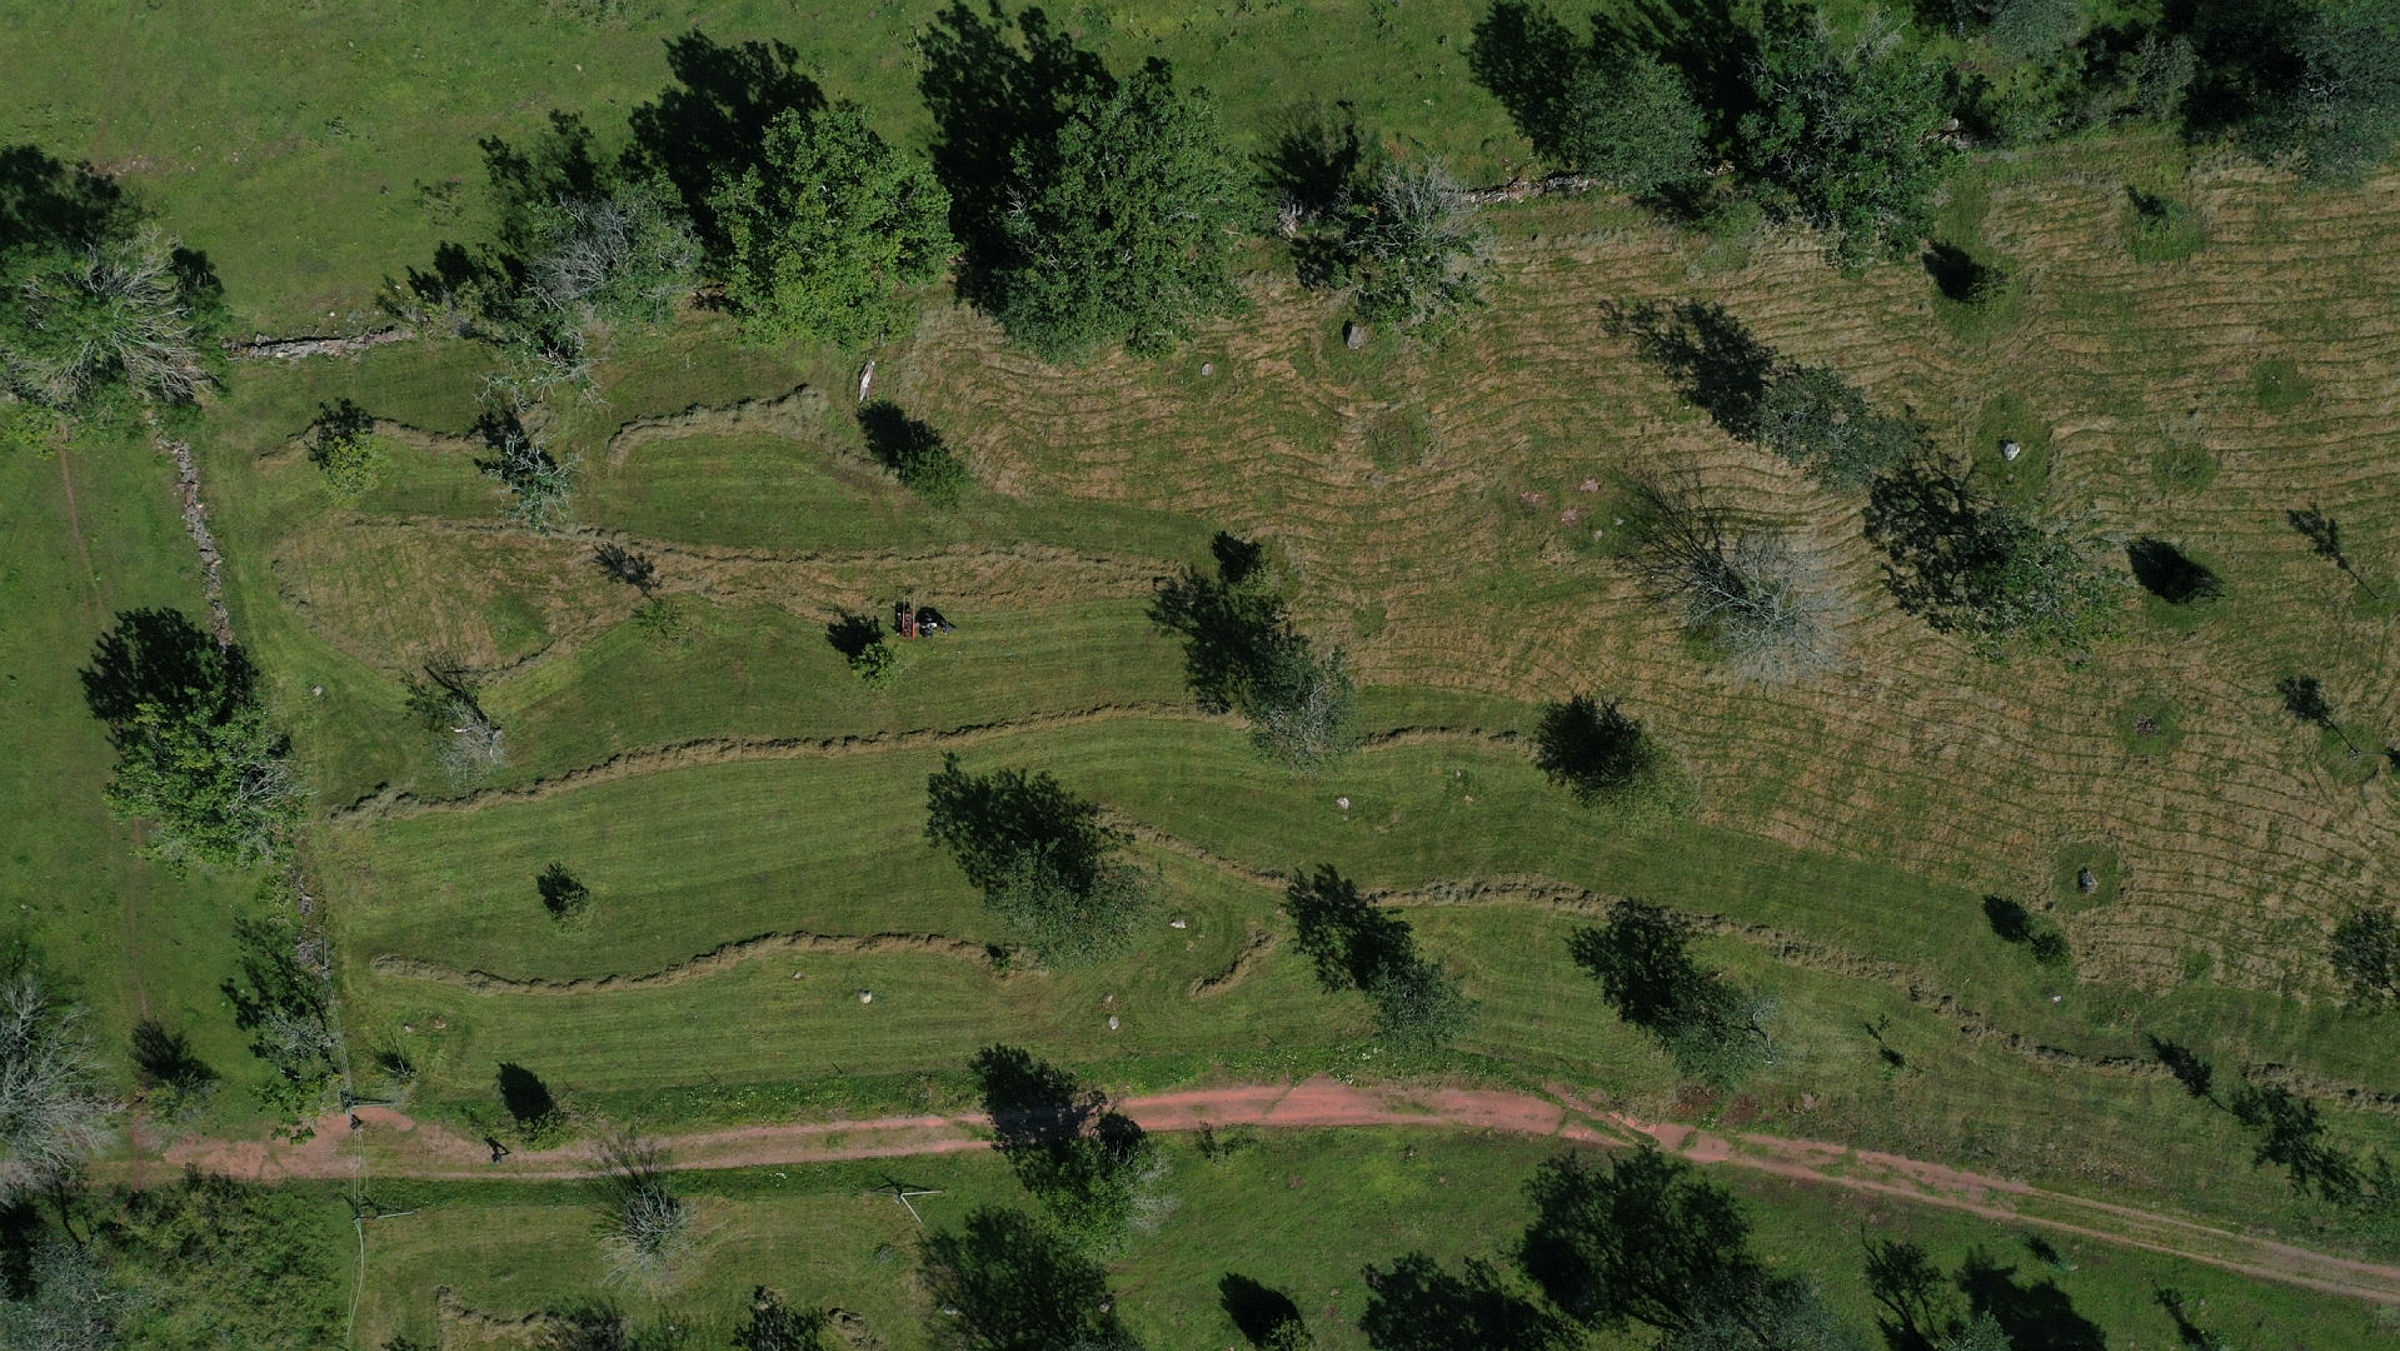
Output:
x=1088 y=209
x=1604 y=756
x=2350 y=96
x=1842 y=135
x=1629 y=123
x=1712 y=1028
x=2366 y=954
x=1242 y=653
x=774 y=1325
x=1815 y=419
x=563 y=895
x=1005 y=1283
x=1968 y=564
x=197 y=753
x=1415 y=1305
x=342 y=444
x=1358 y=945
x=1644 y=1240
x=1042 y=858
x=823 y=231
x=285 y=1003
x=1092 y=1167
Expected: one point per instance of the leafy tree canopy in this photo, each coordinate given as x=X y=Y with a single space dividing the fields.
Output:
x=1714 y=1029
x=1041 y=856
x=1644 y=1240
x=1089 y=209
x=197 y=753
x=1358 y=945
x=1093 y=1168
x=1003 y=1282
x=1842 y=134
x=1968 y=564
x=822 y=232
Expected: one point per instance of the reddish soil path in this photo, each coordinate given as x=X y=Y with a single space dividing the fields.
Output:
x=393 y=1144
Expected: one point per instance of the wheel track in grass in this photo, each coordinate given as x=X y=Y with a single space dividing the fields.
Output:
x=393 y=1145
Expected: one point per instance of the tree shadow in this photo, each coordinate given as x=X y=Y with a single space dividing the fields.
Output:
x=1711 y=357
x=897 y=441
x=991 y=96
x=165 y=1059
x=1959 y=275
x=852 y=634
x=1032 y=1101
x=1417 y=1306
x=2190 y=1069
x=159 y=657
x=1232 y=626
x=620 y=564
x=2011 y=922
x=1317 y=159
x=1258 y=1311
x=44 y=201
x=1523 y=56
x=2171 y=574
x=1353 y=941
x=527 y=1098
x=712 y=125
x=2035 y=1317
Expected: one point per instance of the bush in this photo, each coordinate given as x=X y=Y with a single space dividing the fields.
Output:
x=877 y=665
x=539 y=485
x=1602 y=754
x=342 y=443
x=645 y=1227
x=562 y=895
x=914 y=453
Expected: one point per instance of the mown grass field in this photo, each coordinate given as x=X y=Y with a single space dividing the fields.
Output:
x=749 y=816
x=1323 y=1204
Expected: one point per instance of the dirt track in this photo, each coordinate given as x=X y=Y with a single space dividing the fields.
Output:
x=391 y=1143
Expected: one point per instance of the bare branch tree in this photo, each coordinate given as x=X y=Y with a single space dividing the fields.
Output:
x=1772 y=612
x=52 y=1114
x=645 y=1228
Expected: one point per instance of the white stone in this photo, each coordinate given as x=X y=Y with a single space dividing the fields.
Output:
x=866 y=996
x=1112 y=1022
x=2010 y=450
x=1179 y=924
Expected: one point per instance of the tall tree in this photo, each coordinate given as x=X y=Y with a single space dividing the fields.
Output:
x=1358 y=945
x=2366 y=953
x=1712 y=1028
x=1842 y=135
x=197 y=753
x=822 y=232
x=1089 y=209
x=1968 y=564
x=1092 y=1167
x=1645 y=1240
x=1005 y=1283
x=1041 y=856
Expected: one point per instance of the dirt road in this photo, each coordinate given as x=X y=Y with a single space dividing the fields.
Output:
x=393 y=1144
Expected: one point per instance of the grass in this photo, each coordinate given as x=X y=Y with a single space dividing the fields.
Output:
x=93 y=531
x=1305 y=1213
x=1427 y=505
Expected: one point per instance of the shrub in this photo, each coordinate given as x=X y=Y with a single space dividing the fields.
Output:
x=562 y=895
x=1411 y=251
x=914 y=453
x=342 y=443
x=1601 y=753
x=645 y=1227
